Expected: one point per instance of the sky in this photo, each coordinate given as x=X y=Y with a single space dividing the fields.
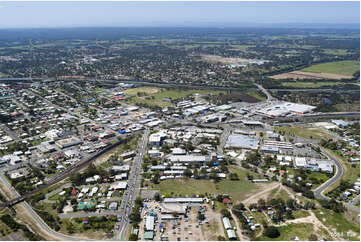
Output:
x=96 y=14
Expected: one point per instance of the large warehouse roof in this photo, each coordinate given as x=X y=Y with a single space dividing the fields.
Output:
x=241 y=142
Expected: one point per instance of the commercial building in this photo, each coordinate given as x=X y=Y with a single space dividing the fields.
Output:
x=189 y=158
x=237 y=141
x=300 y=162
x=149 y=223
x=340 y=123
x=65 y=143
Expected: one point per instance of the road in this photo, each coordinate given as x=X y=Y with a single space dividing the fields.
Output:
x=318 y=192
x=223 y=139
x=132 y=191
x=314 y=90
x=264 y=90
x=10 y=133
x=39 y=221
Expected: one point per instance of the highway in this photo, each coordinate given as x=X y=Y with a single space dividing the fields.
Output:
x=318 y=115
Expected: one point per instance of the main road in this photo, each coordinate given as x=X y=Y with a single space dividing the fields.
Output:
x=132 y=191
x=318 y=192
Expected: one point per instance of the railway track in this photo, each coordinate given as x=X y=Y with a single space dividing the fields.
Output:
x=61 y=176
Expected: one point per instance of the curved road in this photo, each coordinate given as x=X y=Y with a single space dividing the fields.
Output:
x=339 y=171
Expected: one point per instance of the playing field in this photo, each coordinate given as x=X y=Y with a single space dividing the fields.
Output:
x=304 y=131
x=238 y=190
x=347 y=68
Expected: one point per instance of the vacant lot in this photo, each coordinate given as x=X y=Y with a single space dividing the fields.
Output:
x=338 y=222
x=309 y=75
x=224 y=60
x=304 y=131
x=238 y=190
x=347 y=68
x=339 y=52
x=289 y=232
x=154 y=96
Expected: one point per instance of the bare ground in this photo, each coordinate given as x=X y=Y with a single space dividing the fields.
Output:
x=309 y=75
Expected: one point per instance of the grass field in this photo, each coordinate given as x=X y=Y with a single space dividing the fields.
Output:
x=289 y=232
x=238 y=190
x=242 y=47
x=309 y=84
x=335 y=51
x=257 y=95
x=339 y=222
x=304 y=131
x=155 y=96
x=300 y=214
x=340 y=67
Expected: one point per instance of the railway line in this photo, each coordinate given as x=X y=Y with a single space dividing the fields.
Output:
x=61 y=176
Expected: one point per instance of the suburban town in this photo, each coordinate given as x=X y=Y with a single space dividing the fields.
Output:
x=179 y=133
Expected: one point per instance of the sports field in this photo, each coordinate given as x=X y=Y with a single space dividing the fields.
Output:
x=347 y=68
x=238 y=190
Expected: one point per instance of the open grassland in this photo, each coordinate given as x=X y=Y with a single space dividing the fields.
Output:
x=304 y=131
x=257 y=95
x=241 y=47
x=309 y=84
x=154 y=96
x=339 y=223
x=347 y=68
x=300 y=214
x=339 y=52
x=238 y=190
x=289 y=232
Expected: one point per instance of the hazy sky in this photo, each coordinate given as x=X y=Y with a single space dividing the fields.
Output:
x=75 y=14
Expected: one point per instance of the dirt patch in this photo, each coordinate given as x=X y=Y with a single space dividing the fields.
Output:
x=229 y=61
x=309 y=75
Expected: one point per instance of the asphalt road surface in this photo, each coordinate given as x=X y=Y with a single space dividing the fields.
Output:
x=339 y=171
x=133 y=187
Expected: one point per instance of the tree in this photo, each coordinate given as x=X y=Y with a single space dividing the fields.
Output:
x=261 y=204
x=312 y=237
x=225 y=213
x=271 y=232
x=155 y=178
x=133 y=237
x=157 y=197
x=221 y=238
x=187 y=172
x=195 y=173
x=201 y=216
x=233 y=177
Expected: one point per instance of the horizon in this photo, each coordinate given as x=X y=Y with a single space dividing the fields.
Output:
x=34 y=15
